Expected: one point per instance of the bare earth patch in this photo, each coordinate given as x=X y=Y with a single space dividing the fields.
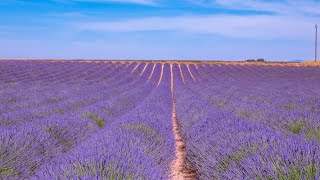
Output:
x=179 y=169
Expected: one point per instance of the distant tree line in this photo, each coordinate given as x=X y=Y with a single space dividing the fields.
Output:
x=255 y=60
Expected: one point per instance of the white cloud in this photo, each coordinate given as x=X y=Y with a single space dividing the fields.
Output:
x=143 y=2
x=254 y=26
x=280 y=7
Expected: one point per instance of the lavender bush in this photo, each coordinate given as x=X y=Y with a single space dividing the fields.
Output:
x=104 y=120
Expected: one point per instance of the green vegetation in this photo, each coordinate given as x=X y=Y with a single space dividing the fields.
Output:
x=5 y=171
x=290 y=106
x=99 y=121
x=61 y=135
x=237 y=157
x=104 y=171
x=140 y=127
x=296 y=172
x=311 y=171
x=313 y=134
x=296 y=127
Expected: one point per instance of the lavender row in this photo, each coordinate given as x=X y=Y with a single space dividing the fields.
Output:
x=139 y=145
x=58 y=104
x=286 y=106
x=61 y=136
x=222 y=146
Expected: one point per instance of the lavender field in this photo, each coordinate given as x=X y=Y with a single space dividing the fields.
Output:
x=159 y=120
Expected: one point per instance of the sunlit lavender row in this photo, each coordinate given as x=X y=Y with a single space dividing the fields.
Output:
x=113 y=120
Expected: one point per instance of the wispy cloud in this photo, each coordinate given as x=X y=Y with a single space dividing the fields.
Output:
x=279 y=7
x=254 y=26
x=232 y=31
x=289 y=20
x=142 y=2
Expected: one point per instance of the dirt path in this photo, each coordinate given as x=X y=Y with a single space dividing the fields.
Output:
x=154 y=65
x=194 y=79
x=145 y=67
x=161 y=74
x=182 y=76
x=135 y=68
x=178 y=168
x=199 y=71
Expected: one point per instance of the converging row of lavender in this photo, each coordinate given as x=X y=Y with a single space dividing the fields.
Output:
x=113 y=120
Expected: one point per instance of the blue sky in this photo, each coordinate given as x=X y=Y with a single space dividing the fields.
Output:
x=279 y=30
